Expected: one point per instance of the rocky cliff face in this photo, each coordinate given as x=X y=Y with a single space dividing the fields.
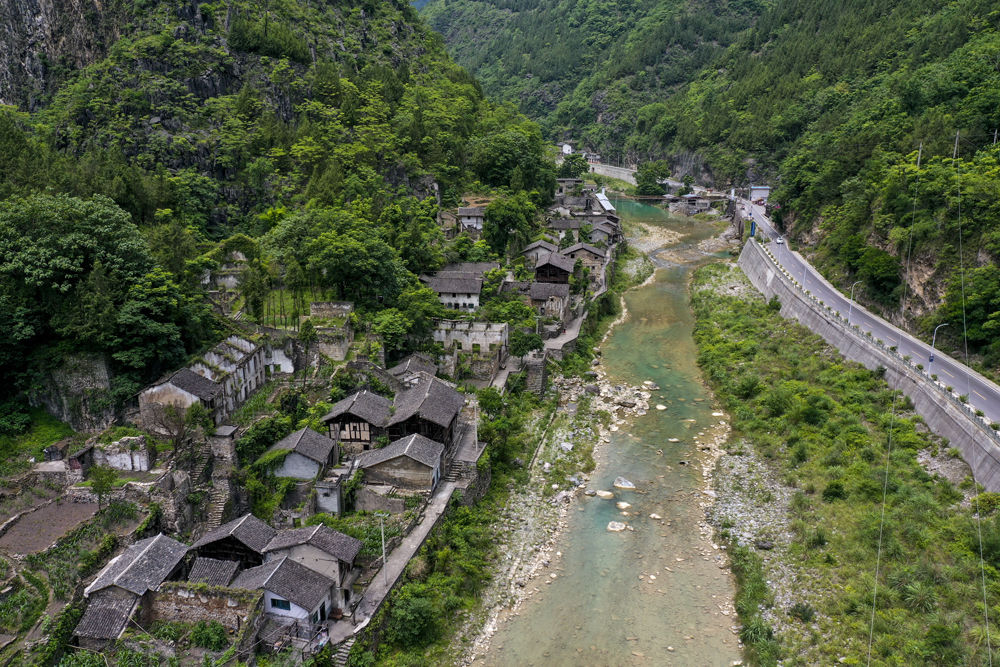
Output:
x=42 y=40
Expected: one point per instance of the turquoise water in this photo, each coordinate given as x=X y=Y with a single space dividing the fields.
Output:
x=604 y=609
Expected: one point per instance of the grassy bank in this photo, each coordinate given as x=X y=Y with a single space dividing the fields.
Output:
x=802 y=503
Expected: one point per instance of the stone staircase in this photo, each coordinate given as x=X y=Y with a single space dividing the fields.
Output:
x=200 y=462
x=342 y=651
x=217 y=503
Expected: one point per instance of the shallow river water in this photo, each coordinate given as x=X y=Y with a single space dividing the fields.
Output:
x=604 y=608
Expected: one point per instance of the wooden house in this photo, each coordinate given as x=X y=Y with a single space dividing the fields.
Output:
x=358 y=420
x=429 y=408
x=553 y=268
x=242 y=540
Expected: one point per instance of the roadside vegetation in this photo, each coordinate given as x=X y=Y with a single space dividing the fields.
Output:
x=822 y=426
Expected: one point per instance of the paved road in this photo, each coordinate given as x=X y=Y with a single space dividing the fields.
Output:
x=982 y=393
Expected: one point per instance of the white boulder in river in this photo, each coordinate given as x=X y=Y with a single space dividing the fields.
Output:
x=622 y=483
x=607 y=495
x=616 y=526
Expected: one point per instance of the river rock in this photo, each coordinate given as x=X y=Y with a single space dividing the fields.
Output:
x=607 y=495
x=622 y=483
x=655 y=516
x=616 y=526
x=673 y=439
x=622 y=505
x=764 y=545
x=547 y=467
x=592 y=389
x=590 y=492
x=718 y=414
x=661 y=406
x=566 y=446
x=592 y=375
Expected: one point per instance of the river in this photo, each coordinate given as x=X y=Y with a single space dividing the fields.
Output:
x=659 y=594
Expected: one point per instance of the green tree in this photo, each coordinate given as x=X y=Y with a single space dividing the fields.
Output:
x=573 y=166
x=522 y=343
x=307 y=336
x=648 y=176
x=510 y=223
x=394 y=328
x=102 y=482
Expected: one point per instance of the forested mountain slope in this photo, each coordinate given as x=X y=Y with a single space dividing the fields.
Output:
x=828 y=100
x=587 y=68
x=139 y=134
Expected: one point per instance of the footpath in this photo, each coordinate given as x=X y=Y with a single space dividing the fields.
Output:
x=387 y=576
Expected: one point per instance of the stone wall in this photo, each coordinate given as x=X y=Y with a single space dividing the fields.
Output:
x=189 y=603
x=944 y=414
x=77 y=392
x=535 y=372
x=366 y=500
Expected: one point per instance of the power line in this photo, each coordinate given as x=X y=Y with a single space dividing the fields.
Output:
x=965 y=338
x=892 y=423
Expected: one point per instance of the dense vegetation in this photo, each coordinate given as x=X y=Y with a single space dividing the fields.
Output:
x=823 y=426
x=828 y=100
x=313 y=138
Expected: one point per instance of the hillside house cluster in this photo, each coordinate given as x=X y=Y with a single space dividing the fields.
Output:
x=304 y=576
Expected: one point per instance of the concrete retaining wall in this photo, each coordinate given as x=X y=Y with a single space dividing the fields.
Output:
x=943 y=412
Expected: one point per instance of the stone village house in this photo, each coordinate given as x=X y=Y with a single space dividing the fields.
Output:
x=222 y=380
x=309 y=454
x=120 y=588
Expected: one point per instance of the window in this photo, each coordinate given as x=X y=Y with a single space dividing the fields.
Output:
x=278 y=603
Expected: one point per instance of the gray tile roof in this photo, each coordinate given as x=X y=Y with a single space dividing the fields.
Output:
x=542 y=291
x=414 y=363
x=141 y=567
x=476 y=268
x=287 y=579
x=416 y=447
x=556 y=260
x=308 y=443
x=248 y=530
x=106 y=616
x=193 y=383
x=544 y=245
x=431 y=399
x=584 y=247
x=564 y=223
x=367 y=405
x=515 y=286
x=455 y=283
x=335 y=543
x=212 y=571
x=472 y=210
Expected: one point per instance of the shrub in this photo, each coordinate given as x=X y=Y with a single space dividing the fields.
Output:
x=210 y=635
x=834 y=491
x=802 y=611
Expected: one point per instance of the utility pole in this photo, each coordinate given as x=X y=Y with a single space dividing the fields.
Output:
x=930 y=362
x=851 y=306
x=385 y=564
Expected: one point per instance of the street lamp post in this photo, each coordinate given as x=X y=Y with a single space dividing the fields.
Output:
x=930 y=362
x=851 y=306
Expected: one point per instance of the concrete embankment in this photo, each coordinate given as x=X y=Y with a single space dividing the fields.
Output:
x=621 y=173
x=944 y=413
